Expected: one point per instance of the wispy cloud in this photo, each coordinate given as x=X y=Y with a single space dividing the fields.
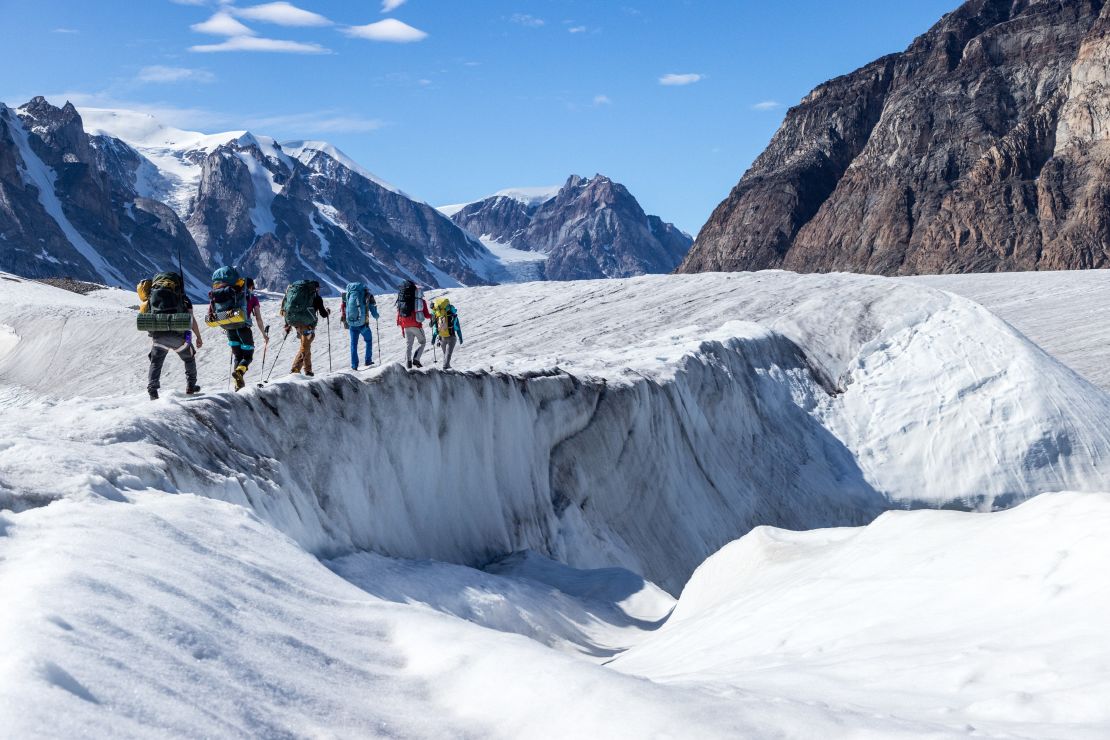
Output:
x=388 y=6
x=577 y=29
x=159 y=73
x=254 y=43
x=222 y=24
x=389 y=29
x=190 y=2
x=524 y=19
x=65 y=30
x=767 y=105
x=282 y=14
x=602 y=100
x=680 y=79
x=308 y=124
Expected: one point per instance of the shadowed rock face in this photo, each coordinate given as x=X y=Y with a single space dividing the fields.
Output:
x=91 y=184
x=591 y=228
x=982 y=147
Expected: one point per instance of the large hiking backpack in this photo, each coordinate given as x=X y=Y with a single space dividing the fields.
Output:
x=227 y=306
x=406 y=299
x=444 y=317
x=297 y=305
x=355 y=298
x=164 y=308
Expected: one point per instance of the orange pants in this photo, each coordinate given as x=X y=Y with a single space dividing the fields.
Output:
x=303 y=359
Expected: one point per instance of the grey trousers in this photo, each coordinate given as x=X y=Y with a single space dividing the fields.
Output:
x=162 y=345
x=414 y=334
x=448 y=350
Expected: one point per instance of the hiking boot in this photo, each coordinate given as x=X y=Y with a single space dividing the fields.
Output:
x=309 y=373
x=153 y=394
x=237 y=377
x=416 y=363
x=192 y=390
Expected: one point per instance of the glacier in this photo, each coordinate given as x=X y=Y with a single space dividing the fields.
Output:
x=421 y=541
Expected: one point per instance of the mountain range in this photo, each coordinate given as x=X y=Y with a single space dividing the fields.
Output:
x=982 y=147
x=110 y=196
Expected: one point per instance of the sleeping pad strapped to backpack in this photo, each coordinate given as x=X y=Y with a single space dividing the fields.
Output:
x=162 y=306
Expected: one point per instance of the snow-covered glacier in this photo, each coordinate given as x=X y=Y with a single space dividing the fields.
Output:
x=625 y=429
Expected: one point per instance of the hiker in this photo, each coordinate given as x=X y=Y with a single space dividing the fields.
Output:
x=446 y=328
x=355 y=309
x=231 y=306
x=411 y=312
x=300 y=307
x=164 y=297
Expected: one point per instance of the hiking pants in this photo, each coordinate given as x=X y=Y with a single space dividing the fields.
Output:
x=368 y=335
x=162 y=345
x=448 y=349
x=306 y=334
x=241 y=341
x=414 y=334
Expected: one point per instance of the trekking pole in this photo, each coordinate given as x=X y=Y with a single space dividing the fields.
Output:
x=265 y=349
x=378 y=326
x=277 y=356
x=435 y=358
x=328 y=317
x=231 y=367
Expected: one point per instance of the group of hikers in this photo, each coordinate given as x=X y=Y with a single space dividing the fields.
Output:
x=166 y=313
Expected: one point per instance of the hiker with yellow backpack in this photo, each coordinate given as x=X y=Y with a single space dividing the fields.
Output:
x=231 y=306
x=166 y=314
x=446 y=328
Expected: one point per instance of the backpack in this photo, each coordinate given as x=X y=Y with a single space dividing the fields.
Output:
x=163 y=307
x=143 y=289
x=406 y=299
x=445 y=317
x=297 y=304
x=167 y=294
x=355 y=298
x=227 y=307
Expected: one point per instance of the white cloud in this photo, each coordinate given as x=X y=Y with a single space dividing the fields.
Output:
x=767 y=105
x=388 y=6
x=253 y=43
x=190 y=2
x=524 y=19
x=679 y=79
x=577 y=29
x=283 y=14
x=158 y=73
x=602 y=100
x=388 y=30
x=65 y=30
x=222 y=24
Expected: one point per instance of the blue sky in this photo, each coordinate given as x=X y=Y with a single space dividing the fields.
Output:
x=453 y=99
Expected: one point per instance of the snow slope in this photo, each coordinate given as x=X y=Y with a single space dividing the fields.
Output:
x=529 y=196
x=997 y=619
x=157 y=558
x=1038 y=304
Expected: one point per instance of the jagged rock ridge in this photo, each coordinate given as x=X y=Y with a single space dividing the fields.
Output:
x=588 y=228
x=982 y=147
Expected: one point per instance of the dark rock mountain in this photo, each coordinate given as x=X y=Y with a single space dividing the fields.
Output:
x=982 y=147
x=67 y=206
x=95 y=207
x=589 y=228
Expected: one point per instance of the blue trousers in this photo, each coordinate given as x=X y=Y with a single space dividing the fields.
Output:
x=365 y=333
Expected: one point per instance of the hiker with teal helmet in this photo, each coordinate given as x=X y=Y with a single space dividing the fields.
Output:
x=231 y=307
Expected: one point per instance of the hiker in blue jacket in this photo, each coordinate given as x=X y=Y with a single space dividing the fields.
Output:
x=356 y=308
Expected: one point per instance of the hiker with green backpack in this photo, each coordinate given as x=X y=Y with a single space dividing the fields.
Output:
x=231 y=306
x=301 y=307
x=355 y=310
x=166 y=314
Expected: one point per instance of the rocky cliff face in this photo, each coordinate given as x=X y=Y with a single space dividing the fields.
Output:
x=983 y=147
x=68 y=206
x=589 y=228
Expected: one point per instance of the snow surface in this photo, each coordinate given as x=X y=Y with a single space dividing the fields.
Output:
x=375 y=553
x=529 y=196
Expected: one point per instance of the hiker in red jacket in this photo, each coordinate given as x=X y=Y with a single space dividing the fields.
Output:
x=411 y=313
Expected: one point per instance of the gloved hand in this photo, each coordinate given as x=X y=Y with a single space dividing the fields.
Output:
x=288 y=329
x=343 y=321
